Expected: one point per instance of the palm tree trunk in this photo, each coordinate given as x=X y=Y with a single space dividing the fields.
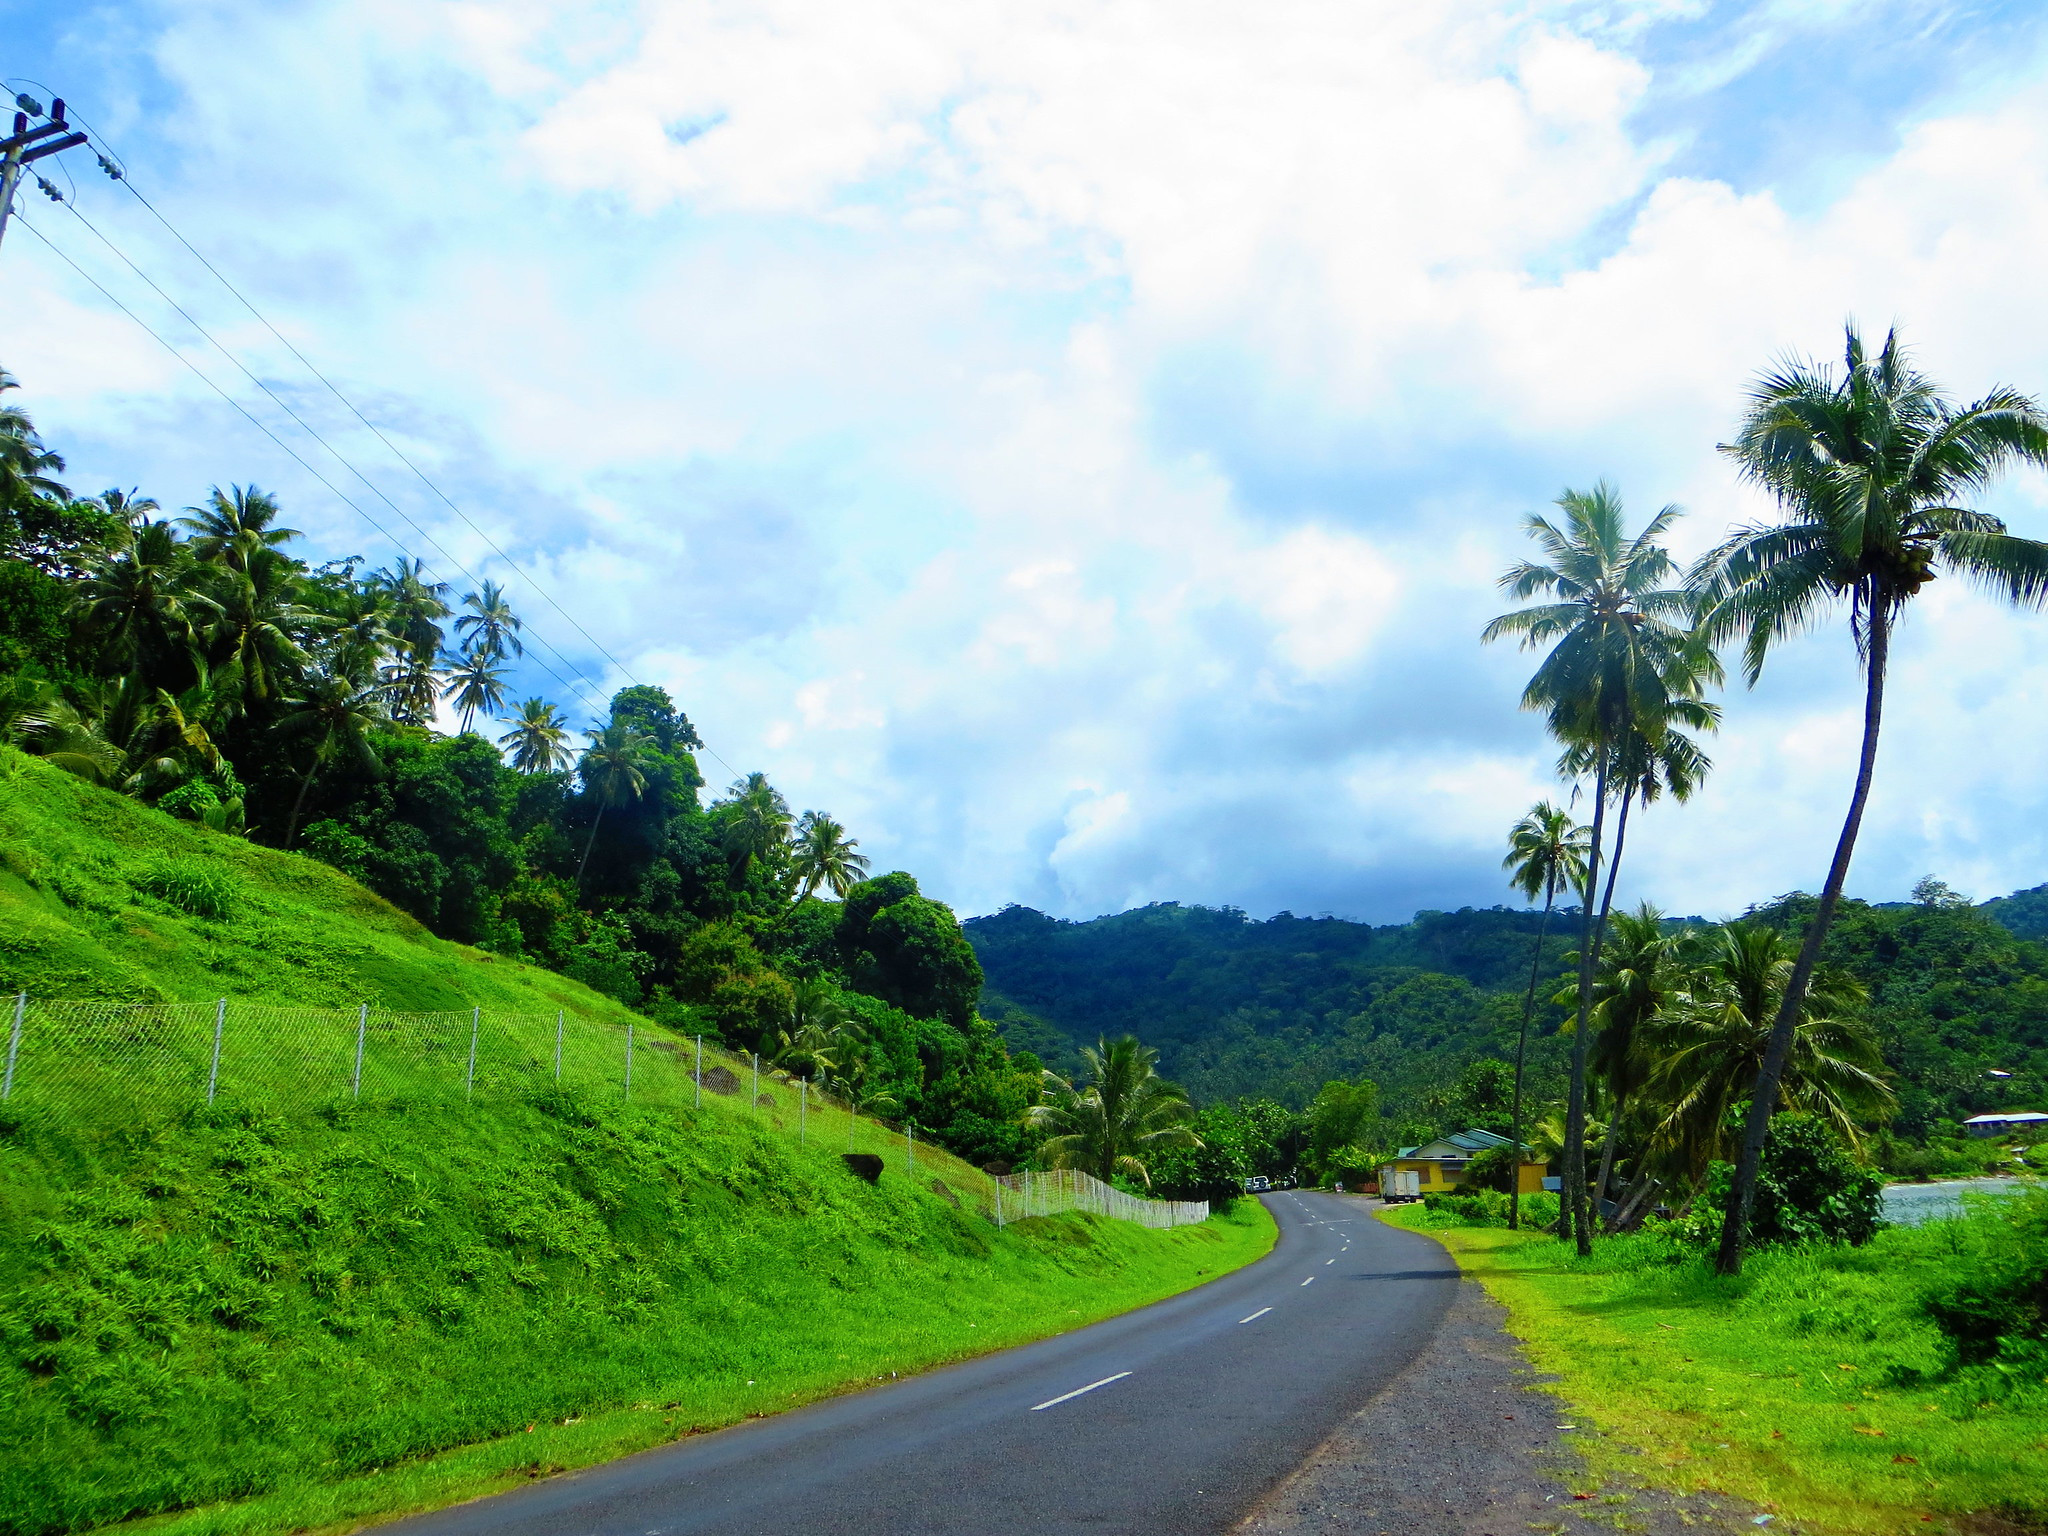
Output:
x=1599 y=939
x=596 y=822
x=1607 y=1151
x=291 y=827
x=1521 y=1055
x=1764 y=1099
x=1573 y=1205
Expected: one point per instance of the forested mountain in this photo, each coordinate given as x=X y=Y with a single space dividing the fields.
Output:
x=1238 y=1006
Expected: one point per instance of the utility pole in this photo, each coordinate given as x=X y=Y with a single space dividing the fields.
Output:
x=27 y=145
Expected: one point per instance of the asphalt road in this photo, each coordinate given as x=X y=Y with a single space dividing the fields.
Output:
x=1172 y=1420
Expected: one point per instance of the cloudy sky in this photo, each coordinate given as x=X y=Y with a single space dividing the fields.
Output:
x=1074 y=442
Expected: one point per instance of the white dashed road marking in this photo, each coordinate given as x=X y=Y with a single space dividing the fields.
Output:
x=1054 y=1402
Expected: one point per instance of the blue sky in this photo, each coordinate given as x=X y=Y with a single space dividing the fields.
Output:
x=1074 y=443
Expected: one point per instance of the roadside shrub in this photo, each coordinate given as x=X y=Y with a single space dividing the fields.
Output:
x=190 y=799
x=1809 y=1190
x=190 y=886
x=1494 y=1168
x=1993 y=1303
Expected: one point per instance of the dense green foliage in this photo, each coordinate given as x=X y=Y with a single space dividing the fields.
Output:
x=1810 y=1189
x=195 y=664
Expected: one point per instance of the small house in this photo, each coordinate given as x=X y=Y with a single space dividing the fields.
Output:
x=1439 y=1166
x=2004 y=1124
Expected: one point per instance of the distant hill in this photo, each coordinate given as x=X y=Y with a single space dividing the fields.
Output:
x=1242 y=1007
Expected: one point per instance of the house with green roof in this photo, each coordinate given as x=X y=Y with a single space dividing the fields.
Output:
x=1439 y=1166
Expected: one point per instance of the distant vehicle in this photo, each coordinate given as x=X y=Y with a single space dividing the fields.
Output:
x=1257 y=1184
x=1398 y=1184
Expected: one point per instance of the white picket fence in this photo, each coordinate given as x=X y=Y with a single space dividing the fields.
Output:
x=1018 y=1195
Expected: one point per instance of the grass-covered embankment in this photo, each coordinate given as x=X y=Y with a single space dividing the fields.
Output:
x=299 y=1314
x=103 y=897
x=1817 y=1384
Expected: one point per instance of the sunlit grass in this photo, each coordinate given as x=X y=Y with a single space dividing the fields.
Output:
x=1813 y=1385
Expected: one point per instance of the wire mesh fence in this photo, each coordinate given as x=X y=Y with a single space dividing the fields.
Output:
x=93 y=1062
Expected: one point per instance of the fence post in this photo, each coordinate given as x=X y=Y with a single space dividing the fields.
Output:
x=476 y=1018
x=910 y=1149
x=558 y=1045
x=14 y=1044
x=700 y=1073
x=629 y=1060
x=220 y=1019
x=803 y=1106
x=755 y=1106
x=362 y=1029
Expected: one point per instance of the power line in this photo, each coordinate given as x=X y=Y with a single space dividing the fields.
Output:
x=338 y=493
x=311 y=432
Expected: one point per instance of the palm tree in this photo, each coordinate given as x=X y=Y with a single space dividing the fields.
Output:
x=476 y=687
x=336 y=714
x=417 y=608
x=26 y=465
x=1870 y=469
x=1125 y=1111
x=253 y=650
x=140 y=604
x=755 y=823
x=612 y=770
x=1639 y=972
x=1546 y=851
x=810 y=1043
x=1713 y=1035
x=235 y=526
x=539 y=738
x=824 y=855
x=490 y=628
x=1618 y=663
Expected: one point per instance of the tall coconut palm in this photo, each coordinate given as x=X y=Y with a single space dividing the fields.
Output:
x=613 y=770
x=822 y=854
x=26 y=466
x=1124 y=1112
x=1620 y=660
x=139 y=604
x=476 y=686
x=1871 y=469
x=1640 y=971
x=1546 y=853
x=810 y=1041
x=336 y=716
x=490 y=628
x=1713 y=1035
x=253 y=650
x=235 y=526
x=539 y=738
x=417 y=608
x=754 y=823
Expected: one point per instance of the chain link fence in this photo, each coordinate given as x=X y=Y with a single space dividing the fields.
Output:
x=112 y=1063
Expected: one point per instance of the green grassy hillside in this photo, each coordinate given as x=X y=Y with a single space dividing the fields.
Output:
x=236 y=1319
x=103 y=897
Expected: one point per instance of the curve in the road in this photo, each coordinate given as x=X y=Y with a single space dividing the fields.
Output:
x=1169 y=1421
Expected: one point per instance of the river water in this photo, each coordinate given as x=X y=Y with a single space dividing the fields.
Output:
x=1909 y=1205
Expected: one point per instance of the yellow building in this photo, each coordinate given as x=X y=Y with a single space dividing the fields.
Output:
x=1439 y=1166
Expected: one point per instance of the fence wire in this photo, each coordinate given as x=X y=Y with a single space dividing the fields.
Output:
x=117 y=1062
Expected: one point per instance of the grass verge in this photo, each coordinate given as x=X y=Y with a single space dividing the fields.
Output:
x=238 y=1323
x=1813 y=1385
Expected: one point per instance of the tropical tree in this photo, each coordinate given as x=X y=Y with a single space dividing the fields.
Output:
x=1871 y=469
x=809 y=1042
x=336 y=716
x=822 y=854
x=754 y=824
x=539 y=738
x=475 y=687
x=140 y=603
x=1124 y=1112
x=253 y=651
x=417 y=608
x=235 y=526
x=1640 y=970
x=614 y=770
x=26 y=466
x=490 y=628
x=1620 y=660
x=1713 y=1035
x=1546 y=853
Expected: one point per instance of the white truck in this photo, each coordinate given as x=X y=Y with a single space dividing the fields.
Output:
x=1398 y=1184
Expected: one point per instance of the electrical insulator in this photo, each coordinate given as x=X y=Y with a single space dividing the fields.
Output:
x=49 y=191
x=113 y=171
x=29 y=105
